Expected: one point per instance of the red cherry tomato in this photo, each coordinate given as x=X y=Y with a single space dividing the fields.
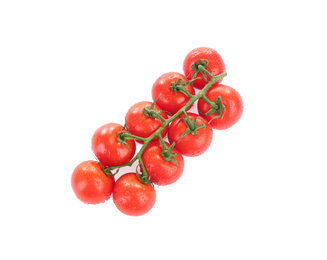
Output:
x=191 y=144
x=168 y=100
x=140 y=125
x=216 y=65
x=132 y=197
x=232 y=101
x=162 y=172
x=90 y=184
x=108 y=150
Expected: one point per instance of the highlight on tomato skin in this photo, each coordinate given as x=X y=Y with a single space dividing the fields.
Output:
x=132 y=197
x=90 y=184
x=232 y=102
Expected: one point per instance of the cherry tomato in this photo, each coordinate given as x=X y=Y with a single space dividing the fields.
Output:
x=132 y=197
x=232 y=101
x=108 y=150
x=90 y=184
x=140 y=125
x=162 y=172
x=169 y=100
x=193 y=143
x=216 y=65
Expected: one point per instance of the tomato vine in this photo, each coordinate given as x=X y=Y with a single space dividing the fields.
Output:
x=159 y=162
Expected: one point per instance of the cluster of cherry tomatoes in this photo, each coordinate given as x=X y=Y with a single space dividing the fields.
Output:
x=148 y=123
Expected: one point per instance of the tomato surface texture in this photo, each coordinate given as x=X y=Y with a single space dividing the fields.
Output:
x=132 y=197
x=216 y=65
x=90 y=184
x=233 y=106
x=162 y=172
x=168 y=100
x=108 y=150
x=140 y=125
x=190 y=145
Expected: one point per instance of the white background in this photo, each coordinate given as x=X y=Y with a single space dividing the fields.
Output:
x=68 y=67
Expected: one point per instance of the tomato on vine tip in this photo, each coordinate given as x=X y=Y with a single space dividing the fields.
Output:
x=209 y=58
x=132 y=197
x=90 y=184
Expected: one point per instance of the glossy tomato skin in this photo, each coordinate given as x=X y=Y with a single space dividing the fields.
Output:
x=216 y=65
x=140 y=125
x=232 y=101
x=162 y=172
x=90 y=184
x=132 y=197
x=107 y=149
x=190 y=145
x=168 y=100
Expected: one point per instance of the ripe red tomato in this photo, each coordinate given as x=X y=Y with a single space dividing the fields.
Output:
x=191 y=144
x=90 y=184
x=162 y=172
x=232 y=101
x=169 y=100
x=140 y=125
x=108 y=150
x=216 y=65
x=132 y=197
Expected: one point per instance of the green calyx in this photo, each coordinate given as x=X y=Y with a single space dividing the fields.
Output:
x=192 y=127
x=199 y=66
x=168 y=155
x=216 y=107
x=143 y=177
x=150 y=112
x=167 y=152
x=125 y=135
x=178 y=86
x=121 y=138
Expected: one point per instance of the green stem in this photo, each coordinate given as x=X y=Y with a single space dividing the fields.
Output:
x=128 y=136
x=161 y=141
x=185 y=92
x=208 y=101
x=202 y=69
